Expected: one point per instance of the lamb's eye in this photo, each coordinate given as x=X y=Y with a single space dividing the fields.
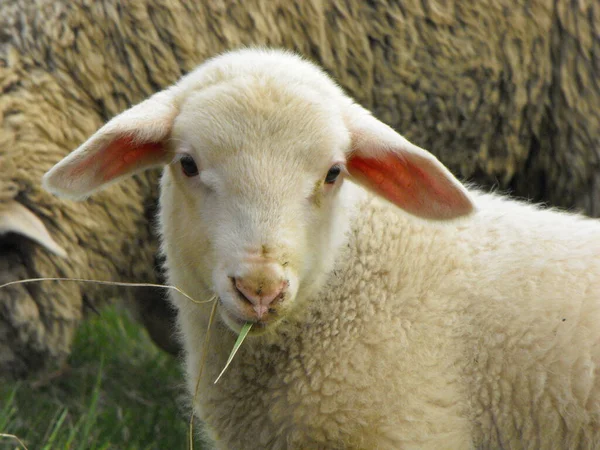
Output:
x=332 y=175
x=188 y=166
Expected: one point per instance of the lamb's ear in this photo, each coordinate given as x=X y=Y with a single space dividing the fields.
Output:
x=406 y=175
x=127 y=144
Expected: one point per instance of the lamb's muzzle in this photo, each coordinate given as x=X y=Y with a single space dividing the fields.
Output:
x=259 y=287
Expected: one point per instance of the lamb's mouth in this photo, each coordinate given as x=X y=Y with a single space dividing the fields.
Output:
x=258 y=325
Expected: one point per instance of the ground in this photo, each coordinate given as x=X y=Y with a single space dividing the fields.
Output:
x=119 y=392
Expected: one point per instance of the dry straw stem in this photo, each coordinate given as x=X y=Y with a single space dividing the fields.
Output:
x=111 y=283
x=12 y=436
x=202 y=363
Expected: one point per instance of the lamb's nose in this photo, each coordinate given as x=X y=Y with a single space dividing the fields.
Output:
x=260 y=292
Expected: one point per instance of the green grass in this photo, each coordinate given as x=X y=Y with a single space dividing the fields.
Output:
x=121 y=392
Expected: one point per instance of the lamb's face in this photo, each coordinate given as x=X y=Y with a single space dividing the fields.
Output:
x=251 y=207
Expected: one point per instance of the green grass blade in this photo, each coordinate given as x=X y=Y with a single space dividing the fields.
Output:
x=73 y=433
x=9 y=410
x=56 y=430
x=238 y=343
x=92 y=413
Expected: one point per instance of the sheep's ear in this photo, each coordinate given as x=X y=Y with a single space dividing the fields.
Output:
x=129 y=143
x=16 y=218
x=406 y=175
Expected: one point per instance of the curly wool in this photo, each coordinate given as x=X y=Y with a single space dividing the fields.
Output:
x=484 y=331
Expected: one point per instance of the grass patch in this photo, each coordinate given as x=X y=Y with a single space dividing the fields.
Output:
x=121 y=392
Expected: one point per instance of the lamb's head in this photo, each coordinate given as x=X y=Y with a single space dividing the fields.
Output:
x=254 y=202
x=255 y=188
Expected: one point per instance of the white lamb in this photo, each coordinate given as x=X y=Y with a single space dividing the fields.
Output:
x=474 y=325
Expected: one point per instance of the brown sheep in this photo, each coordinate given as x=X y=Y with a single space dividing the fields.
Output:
x=505 y=93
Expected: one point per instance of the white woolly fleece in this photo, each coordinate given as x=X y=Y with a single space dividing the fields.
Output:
x=473 y=325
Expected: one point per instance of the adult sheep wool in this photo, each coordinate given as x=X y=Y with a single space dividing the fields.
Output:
x=505 y=93
x=464 y=321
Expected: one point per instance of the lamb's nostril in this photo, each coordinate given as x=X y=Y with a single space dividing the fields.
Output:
x=243 y=296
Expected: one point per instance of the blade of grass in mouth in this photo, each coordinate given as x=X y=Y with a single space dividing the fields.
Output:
x=238 y=343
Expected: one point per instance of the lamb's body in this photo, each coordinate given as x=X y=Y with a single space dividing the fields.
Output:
x=486 y=332
x=374 y=329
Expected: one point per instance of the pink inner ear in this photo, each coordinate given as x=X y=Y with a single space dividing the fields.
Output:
x=121 y=156
x=419 y=188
